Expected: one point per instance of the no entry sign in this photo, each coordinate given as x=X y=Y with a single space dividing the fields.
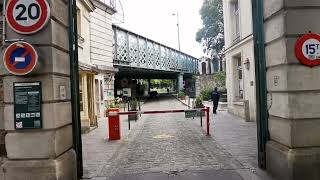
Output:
x=20 y=58
x=307 y=49
x=27 y=16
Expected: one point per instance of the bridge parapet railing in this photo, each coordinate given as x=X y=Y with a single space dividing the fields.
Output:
x=133 y=50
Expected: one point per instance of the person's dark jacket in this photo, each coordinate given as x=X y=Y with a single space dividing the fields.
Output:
x=215 y=96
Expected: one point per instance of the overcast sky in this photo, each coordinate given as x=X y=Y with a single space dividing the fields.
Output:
x=153 y=19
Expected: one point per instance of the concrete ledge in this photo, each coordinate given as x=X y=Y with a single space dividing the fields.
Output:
x=50 y=85
x=299 y=133
x=292 y=164
x=62 y=168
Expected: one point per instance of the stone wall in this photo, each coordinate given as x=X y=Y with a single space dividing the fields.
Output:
x=294 y=117
x=45 y=153
x=203 y=82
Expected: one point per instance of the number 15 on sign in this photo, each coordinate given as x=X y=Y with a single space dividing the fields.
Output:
x=312 y=49
x=27 y=16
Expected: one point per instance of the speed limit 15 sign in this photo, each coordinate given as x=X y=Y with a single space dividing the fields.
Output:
x=307 y=49
x=27 y=16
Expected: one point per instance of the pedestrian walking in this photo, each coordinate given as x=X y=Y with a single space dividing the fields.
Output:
x=215 y=96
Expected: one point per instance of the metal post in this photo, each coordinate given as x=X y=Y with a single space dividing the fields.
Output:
x=261 y=88
x=178 y=25
x=74 y=71
x=208 y=121
x=129 y=123
x=201 y=118
x=140 y=105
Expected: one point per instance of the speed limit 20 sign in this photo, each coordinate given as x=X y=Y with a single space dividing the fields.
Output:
x=308 y=49
x=27 y=16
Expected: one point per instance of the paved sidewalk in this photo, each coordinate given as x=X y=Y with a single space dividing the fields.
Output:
x=169 y=146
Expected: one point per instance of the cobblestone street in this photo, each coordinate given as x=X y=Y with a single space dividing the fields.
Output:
x=162 y=146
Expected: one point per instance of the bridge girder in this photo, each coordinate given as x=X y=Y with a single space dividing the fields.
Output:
x=134 y=51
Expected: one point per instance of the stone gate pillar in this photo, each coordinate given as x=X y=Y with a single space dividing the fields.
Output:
x=293 y=153
x=46 y=153
x=180 y=82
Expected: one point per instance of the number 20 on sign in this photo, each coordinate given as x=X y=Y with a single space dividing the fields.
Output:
x=27 y=16
x=307 y=49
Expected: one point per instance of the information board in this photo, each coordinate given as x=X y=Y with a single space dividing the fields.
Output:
x=27 y=105
x=190 y=113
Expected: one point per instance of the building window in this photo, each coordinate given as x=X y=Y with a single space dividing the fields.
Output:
x=216 y=65
x=81 y=93
x=79 y=21
x=204 y=68
x=240 y=77
x=236 y=17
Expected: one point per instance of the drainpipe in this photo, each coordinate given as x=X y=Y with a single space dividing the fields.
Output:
x=260 y=73
x=74 y=76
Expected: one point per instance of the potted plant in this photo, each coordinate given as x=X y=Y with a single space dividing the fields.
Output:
x=181 y=95
x=112 y=107
x=199 y=105
x=133 y=106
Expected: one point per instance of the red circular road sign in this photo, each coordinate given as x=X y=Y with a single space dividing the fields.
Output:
x=20 y=58
x=27 y=16
x=307 y=49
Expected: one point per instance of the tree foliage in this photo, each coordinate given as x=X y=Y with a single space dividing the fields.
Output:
x=211 y=35
x=161 y=83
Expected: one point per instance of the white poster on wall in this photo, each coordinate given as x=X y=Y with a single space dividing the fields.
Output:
x=127 y=92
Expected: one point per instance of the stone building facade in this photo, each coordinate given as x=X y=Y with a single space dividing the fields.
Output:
x=210 y=65
x=94 y=18
x=294 y=91
x=239 y=56
x=87 y=70
x=101 y=39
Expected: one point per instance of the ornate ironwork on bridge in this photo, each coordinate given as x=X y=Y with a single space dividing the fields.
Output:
x=133 y=50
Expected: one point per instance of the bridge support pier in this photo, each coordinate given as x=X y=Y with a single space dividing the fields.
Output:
x=180 y=82
x=149 y=86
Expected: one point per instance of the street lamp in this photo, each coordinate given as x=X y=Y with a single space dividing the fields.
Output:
x=178 y=25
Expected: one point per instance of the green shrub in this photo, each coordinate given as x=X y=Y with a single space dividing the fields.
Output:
x=114 y=105
x=198 y=103
x=181 y=94
x=206 y=94
x=220 y=79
